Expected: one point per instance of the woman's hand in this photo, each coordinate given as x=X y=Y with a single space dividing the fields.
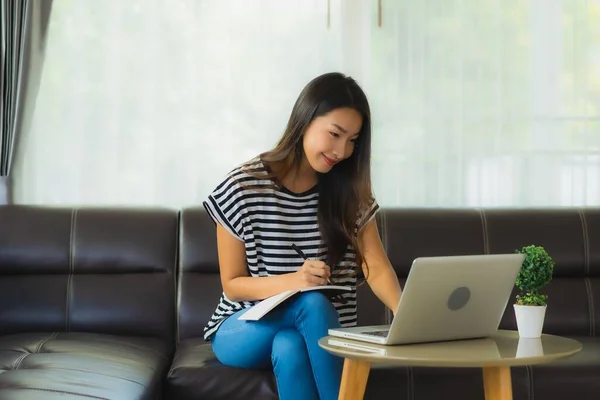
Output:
x=312 y=273
x=239 y=286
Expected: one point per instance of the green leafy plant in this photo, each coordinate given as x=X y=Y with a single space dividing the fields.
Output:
x=536 y=272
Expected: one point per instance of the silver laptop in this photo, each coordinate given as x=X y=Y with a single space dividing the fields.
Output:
x=447 y=298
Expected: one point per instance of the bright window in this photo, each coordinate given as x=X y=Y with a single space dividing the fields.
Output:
x=483 y=103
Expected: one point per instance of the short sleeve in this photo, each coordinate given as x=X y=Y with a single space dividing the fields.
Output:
x=226 y=205
x=367 y=214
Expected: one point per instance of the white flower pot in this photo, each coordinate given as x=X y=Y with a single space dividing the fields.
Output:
x=530 y=320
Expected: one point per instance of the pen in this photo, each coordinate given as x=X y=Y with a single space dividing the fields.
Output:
x=301 y=254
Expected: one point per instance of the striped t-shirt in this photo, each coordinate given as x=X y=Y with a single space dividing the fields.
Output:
x=269 y=220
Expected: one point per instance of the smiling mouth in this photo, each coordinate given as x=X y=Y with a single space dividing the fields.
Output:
x=329 y=161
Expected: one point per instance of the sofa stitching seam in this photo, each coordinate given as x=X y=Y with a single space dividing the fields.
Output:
x=411 y=385
x=19 y=360
x=484 y=227
x=384 y=231
x=121 y=378
x=43 y=342
x=532 y=382
x=586 y=242
x=65 y=392
x=71 y=269
x=178 y=276
x=531 y=391
x=588 y=285
x=590 y=297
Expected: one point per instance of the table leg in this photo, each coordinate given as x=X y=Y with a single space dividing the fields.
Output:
x=354 y=379
x=497 y=383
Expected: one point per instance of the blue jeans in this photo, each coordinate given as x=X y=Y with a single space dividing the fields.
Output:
x=286 y=338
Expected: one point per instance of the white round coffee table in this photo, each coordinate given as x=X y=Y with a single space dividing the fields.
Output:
x=495 y=355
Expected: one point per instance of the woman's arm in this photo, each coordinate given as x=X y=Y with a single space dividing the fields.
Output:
x=380 y=274
x=238 y=285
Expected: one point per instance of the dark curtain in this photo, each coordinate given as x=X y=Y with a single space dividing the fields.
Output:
x=23 y=26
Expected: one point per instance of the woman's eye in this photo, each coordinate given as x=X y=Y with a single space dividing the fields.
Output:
x=334 y=134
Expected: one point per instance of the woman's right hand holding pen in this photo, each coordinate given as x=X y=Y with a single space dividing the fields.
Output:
x=312 y=273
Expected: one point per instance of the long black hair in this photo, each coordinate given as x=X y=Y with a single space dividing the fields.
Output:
x=345 y=190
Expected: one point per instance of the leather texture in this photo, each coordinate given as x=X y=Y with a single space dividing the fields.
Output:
x=87 y=302
x=571 y=236
x=197 y=374
x=81 y=365
x=110 y=303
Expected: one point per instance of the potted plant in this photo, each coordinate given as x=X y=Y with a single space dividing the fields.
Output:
x=530 y=307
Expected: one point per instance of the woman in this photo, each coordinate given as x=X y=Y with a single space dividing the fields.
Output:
x=313 y=190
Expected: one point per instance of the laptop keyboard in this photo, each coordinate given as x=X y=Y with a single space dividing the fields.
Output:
x=377 y=333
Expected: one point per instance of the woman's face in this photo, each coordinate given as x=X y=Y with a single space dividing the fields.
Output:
x=330 y=138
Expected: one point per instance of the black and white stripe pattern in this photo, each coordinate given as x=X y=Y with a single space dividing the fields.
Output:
x=269 y=220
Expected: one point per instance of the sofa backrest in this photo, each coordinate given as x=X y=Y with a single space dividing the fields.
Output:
x=88 y=270
x=114 y=270
x=571 y=237
x=198 y=284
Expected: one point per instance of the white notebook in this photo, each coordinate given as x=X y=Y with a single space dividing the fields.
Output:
x=261 y=309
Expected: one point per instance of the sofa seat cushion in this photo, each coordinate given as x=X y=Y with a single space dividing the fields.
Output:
x=81 y=365
x=197 y=374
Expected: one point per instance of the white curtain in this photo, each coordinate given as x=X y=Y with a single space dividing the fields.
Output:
x=475 y=103
x=487 y=103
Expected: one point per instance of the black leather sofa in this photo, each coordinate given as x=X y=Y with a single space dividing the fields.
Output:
x=87 y=302
x=110 y=303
